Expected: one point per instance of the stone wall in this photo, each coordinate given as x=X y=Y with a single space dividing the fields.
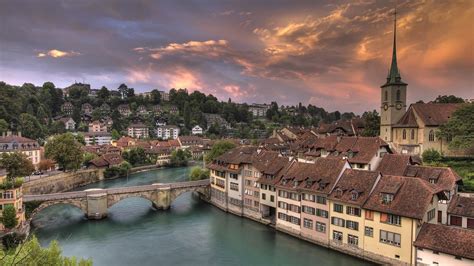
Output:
x=63 y=182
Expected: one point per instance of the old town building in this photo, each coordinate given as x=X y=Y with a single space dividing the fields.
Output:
x=16 y=143
x=461 y=212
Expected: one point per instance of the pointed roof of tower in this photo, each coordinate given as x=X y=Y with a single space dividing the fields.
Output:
x=394 y=77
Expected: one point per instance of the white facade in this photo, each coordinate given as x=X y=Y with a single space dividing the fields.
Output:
x=139 y=132
x=197 y=130
x=429 y=257
x=97 y=138
x=167 y=132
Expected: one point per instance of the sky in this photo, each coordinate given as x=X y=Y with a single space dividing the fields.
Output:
x=332 y=54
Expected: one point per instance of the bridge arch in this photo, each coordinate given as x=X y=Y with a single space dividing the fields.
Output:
x=114 y=199
x=175 y=193
x=80 y=204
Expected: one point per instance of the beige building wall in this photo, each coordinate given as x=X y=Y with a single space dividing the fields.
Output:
x=313 y=233
x=427 y=257
x=294 y=228
x=344 y=230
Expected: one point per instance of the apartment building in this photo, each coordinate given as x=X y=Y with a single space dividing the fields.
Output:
x=138 y=130
x=16 y=143
x=13 y=197
x=346 y=213
x=167 y=132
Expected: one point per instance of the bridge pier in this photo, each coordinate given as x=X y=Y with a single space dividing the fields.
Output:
x=96 y=206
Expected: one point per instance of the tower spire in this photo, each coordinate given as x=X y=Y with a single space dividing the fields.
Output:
x=394 y=74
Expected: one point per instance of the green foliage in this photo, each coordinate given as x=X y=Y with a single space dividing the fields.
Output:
x=16 y=164
x=65 y=150
x=87 y=157
x=218 y=149
x=431 y=156
x=30 y=206
x=80 y=138
x=115 y=134
x=31 y=253
x=118 y=171
x=3 y=126
x=372 y=124
x=448 y=99
x=136 y=156
x=198 y=173
x=12 y=183
x=460 y=128
x=30 y=126
x=9 y=219
x=179 y=158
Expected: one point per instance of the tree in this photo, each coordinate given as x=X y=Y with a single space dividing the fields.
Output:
x=46 y=164
x=9 y=219
x=187 y=115
x=155 y=97
x=3 y=126
x=179 y=158
x=123 y=90
x=30 y=126
x=372 y=124
x=88 y=156
x=31 y=253
x=103 y=93
x=431 y=156
x=198 y=173
x=460 y=128
x=65 y=150
x=17 y=165
x=448 y=99
x=115 y=134
x=218 y=149
x=57 y=127
x=135 y=156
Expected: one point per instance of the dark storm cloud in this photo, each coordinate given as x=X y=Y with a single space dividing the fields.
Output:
x=332 y=54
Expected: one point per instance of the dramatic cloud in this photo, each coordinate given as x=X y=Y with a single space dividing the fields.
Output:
x=331 y=55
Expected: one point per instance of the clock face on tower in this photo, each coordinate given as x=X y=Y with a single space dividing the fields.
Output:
x=385 y=107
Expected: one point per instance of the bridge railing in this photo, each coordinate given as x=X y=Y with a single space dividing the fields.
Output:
x=203 y=182
x=55 y=196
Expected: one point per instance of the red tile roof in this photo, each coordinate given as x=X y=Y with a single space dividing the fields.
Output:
x=354 y=182
x=394 y=164
x=431 y=114
x=443 y=177
x=461 y=206
x=451 y=240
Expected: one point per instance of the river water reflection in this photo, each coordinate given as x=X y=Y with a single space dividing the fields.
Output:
x=192 y=232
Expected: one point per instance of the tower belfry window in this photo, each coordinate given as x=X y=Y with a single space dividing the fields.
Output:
x=398 y=95
x=386 y=95
x=404 y=134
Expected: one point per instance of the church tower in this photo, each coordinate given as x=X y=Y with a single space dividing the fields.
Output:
x=393 y=94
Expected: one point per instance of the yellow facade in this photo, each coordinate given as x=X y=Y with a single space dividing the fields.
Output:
x=13 y=197
x=346 y=232
x=218 y=182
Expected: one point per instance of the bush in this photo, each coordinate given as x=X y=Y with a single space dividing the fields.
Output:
x=431 y=156
x=198 y=173
x=9 y=219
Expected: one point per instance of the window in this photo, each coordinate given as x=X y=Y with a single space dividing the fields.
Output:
x=272 y=198
x=431 y=136
x=321 y=200
x=337 y=221
x=470 y=223
x=308 y=197
x=404 y=134
x=322 y=213
x=307 y=223
x=390 y=219
x=352 y=225
x=386 y=95
x=233 y=176
x=8 y=195
x=248 y=202
x=390 y=238
x=369 y=231
x=369 y=215
x=387 y=198
x=431 y=214
x=283 y=205
x=264 y=196
x=234 y=186
x=248 y=182
x=320 y=227
x=338 y=208
x=353 y=211
x=337 y=236
x=412 y=134
x=352 y=240
x=398 y=95
x=309 y=210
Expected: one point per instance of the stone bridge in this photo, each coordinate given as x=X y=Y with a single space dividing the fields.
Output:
x=95 y=202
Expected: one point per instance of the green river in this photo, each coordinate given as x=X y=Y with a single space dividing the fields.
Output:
x=192 y=232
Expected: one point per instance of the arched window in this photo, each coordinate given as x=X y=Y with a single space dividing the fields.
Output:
x=404 y=135
x=386 y=95
x=398 y=95
x=412 y=134
x=431 y=136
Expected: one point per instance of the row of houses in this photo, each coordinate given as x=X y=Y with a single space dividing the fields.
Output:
x=384 y=215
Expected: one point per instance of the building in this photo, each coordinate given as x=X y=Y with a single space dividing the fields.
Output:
x=415 y=130
x=165 y=96
x=13 y=197
x=196 y=130
x=97 y=138
x=87 y=109
x=461 y=212
x=157 y=109
x=167 y=132
x=444 y=245
x=124 y=110
x=138 y=130
x=106 y=160
x=67 y=108
x=98 y=126
x=173 y=110
x=141 y=110
x=190 y=141
x=69 y=123
x=16 y=143
x=394 y=212
x=352 y=127
x=259 y=110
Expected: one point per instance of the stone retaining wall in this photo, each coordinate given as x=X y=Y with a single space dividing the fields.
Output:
x=63 y=182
